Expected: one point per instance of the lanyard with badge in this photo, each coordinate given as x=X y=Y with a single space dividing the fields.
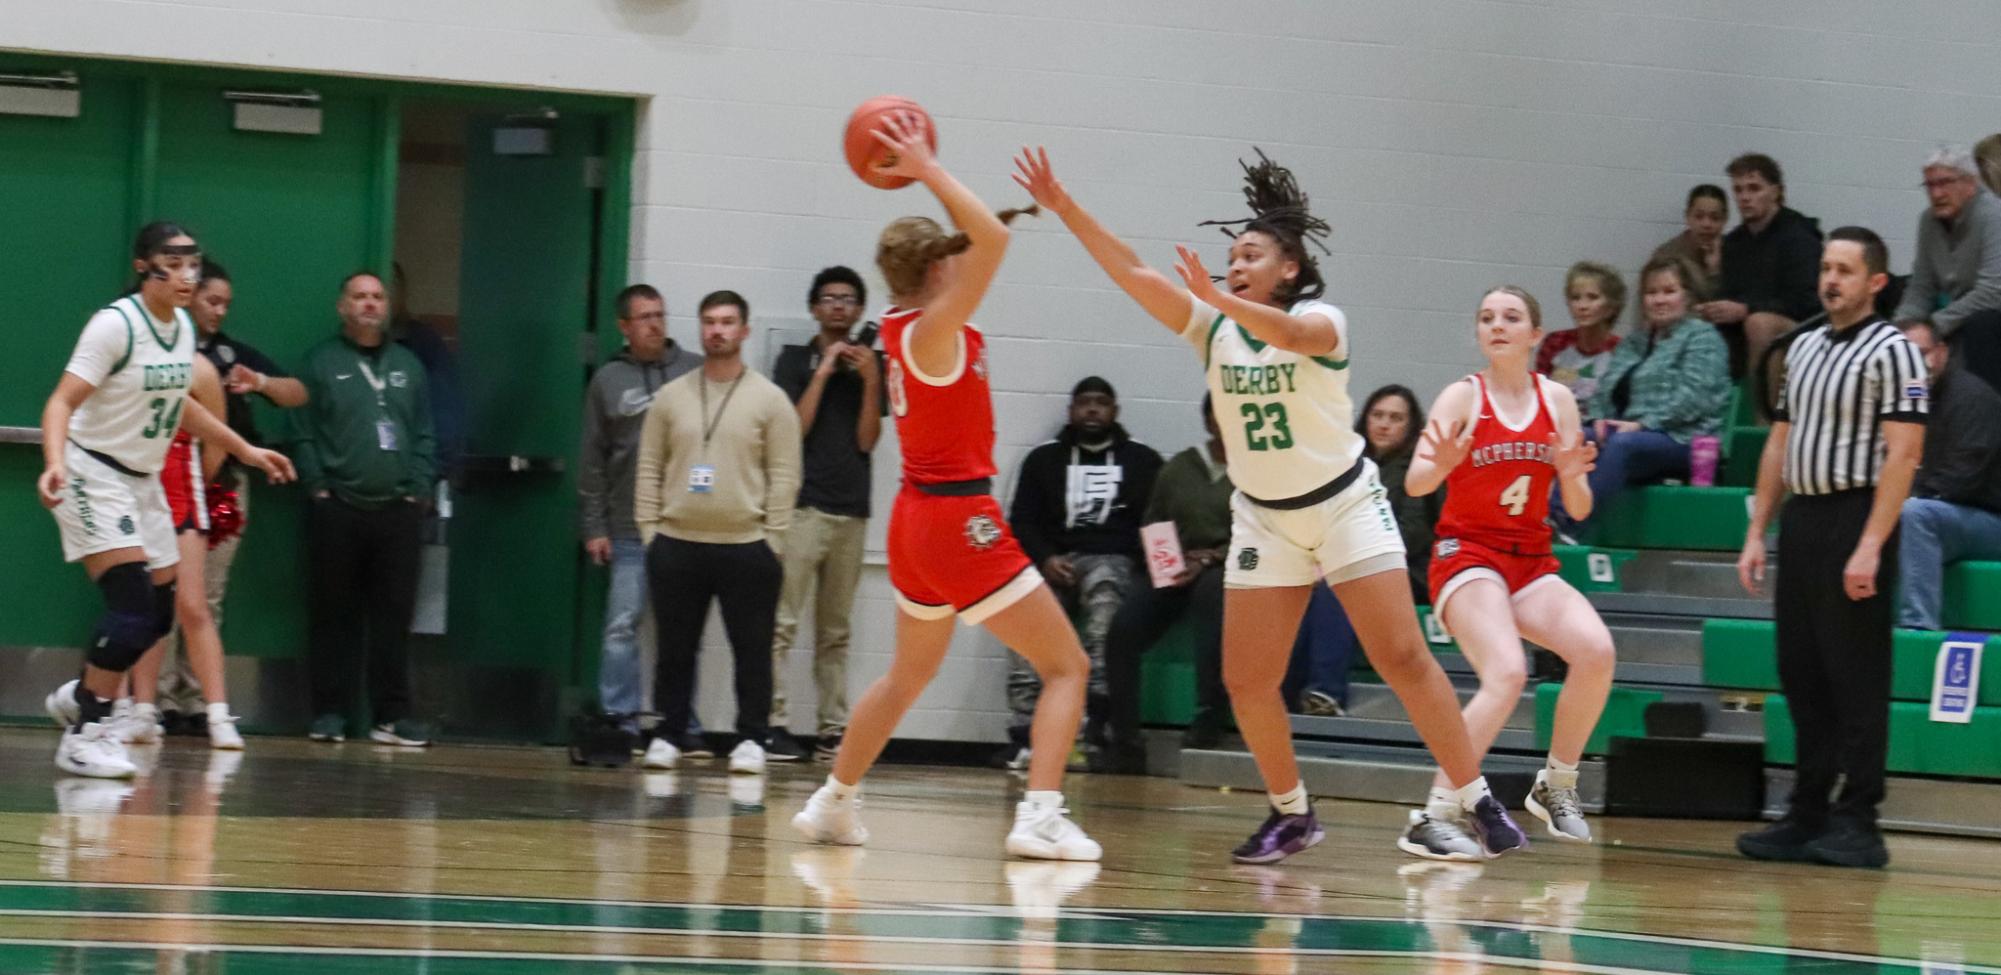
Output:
x=385 y=428
x=702 y=476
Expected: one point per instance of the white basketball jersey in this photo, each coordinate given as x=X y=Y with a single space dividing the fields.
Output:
x=141 y=368
x=1288 y=425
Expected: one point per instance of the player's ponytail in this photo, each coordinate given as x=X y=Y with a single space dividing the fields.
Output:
x=1279 y=210
x=910 y=245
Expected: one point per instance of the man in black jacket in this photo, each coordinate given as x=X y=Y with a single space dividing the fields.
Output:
x=1771 y=264
x=1954 y=511
x=1077 y=511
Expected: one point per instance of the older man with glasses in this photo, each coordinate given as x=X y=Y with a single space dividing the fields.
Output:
x=1956 y=277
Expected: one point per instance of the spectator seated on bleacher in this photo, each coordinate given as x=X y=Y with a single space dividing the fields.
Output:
x=1771 y=264
x=1668 y=383
x=1192 y=491
x=1954 y=512
x=1577 y=357
x=1956 y=276
x=1701 y=244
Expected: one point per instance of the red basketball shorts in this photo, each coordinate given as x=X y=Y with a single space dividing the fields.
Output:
x=1457 y=561
x=955 y=555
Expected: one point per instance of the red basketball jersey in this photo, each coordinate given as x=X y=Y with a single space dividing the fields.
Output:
x=1499 y=495
x=944 y=424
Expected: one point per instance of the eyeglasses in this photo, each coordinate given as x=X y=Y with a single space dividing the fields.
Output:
x=837 y=301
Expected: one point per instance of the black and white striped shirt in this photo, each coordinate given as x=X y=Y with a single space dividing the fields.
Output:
x=1840 y=387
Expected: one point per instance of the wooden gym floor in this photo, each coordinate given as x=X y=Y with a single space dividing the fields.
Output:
x=352 y=858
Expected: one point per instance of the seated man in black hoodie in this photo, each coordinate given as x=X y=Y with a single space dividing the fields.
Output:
x=1771 y=264
x=1077 y=511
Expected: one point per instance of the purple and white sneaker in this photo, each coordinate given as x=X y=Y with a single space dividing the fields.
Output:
x=1498 y=834
x=1281 y=836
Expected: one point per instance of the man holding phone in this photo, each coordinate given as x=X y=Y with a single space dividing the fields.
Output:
x=836 y=382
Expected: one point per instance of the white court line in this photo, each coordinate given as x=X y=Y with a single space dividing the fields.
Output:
x=452 y=954
x=1082 y=913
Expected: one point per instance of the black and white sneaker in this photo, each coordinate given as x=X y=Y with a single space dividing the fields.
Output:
x=782 y=747
x=827 y=747
x=1438 y=839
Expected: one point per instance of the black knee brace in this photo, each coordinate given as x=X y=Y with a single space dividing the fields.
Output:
x=126 y=631
x=163 y=611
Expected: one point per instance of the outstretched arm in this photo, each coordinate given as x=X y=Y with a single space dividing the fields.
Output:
x=1445 y=442
x=1311 y=334
x=934 y=339
x=1161 y=298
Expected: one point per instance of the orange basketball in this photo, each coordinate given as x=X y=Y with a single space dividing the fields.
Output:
x=866 y=156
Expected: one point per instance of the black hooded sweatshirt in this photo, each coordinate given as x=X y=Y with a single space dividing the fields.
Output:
x=1072 y=500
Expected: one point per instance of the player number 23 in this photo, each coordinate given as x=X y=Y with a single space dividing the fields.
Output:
x=1516 y=497
x=1256 y=417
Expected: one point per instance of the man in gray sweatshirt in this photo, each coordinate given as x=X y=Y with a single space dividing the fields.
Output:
x=614 y=411
x=1956 y=277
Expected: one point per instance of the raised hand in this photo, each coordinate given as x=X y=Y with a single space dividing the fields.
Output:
x=1446 y=447
x=1032 y=173
x=1574 y=457
x=1196 y=277
x=908 y=143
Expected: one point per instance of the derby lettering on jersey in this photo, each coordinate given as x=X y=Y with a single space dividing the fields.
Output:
x=1512 y=450
x=1256 y=380
x=168 y=375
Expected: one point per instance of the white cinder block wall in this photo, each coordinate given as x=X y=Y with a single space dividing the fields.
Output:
x=1452 y=143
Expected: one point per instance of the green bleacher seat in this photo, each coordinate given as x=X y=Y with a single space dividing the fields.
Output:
x=1673 y=517
x=1972 y=596
x=1591 y=569
x=1744 y=653
x=1624 y=716
x=1167 y=678
x=1742 y=447
x=1918 y=745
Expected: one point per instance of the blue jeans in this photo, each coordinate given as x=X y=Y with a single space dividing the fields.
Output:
x=1935 y=535
x=621 y=686
x=1324 y=651
x=1634 y=457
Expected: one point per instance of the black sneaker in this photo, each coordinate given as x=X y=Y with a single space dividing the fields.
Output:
x=1785 y=840
x=782 y=747
x=1204 y=732
x=695 y=747
x=827 y=747
x=1848 y=843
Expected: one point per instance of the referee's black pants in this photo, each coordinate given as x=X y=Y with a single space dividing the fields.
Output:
x=684 y=578
x=1834 y=655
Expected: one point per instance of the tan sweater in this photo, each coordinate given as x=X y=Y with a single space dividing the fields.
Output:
x=754 y=450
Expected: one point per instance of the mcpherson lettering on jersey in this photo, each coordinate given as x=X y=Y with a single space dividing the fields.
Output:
x=1512 y=450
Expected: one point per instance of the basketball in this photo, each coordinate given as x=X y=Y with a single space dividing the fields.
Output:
x=866 y=156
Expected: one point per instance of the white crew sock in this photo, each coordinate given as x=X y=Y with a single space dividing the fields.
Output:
x=1470 y=794
x=1044 y=798
x=1562 y=775
x=218 y=712
x=1442 y=805
x=840 y=791
x=1291 y=803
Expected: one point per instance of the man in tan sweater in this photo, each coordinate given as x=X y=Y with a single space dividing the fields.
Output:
x=718 y=474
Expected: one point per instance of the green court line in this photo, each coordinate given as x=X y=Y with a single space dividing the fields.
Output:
x=89 y=957
x=1174 y=931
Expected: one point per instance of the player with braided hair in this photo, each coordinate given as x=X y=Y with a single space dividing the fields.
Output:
x=1309 y=505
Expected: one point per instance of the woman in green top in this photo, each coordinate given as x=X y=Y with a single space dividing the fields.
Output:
x=1666 y=385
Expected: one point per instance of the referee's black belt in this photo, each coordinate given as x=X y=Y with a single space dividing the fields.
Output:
x=957 y=489
x=1315 y=496
x=108 y=461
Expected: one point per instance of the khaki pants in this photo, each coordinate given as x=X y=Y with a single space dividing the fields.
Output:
x=179 y=690
x=823 y=562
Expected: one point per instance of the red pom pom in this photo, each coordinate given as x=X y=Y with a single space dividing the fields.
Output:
x=225 y=515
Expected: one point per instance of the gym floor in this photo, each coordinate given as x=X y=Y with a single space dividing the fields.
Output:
x=295 y=857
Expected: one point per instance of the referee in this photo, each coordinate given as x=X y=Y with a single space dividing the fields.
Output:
x=1845 y=444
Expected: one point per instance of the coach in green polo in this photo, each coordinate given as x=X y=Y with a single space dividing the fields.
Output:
x=366 y=454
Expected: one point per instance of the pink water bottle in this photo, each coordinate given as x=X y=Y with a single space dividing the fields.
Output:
x=1703 y=452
